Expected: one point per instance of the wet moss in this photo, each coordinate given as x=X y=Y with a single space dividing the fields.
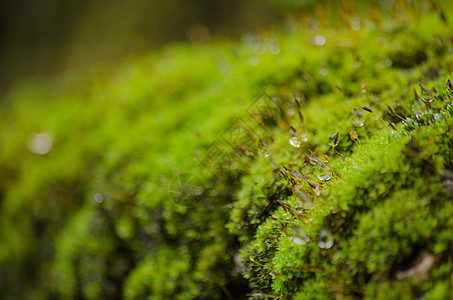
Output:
x=358 y=205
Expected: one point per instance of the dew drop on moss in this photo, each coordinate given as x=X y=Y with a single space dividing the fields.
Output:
x=304 y=137
x=323 y=172
x=40 y=143
x=300 y=236
x=326 y=240
x=334 y=139
x=325 y=176
x=358 y=119
x=295 y=139
x=98 y=197
x=319 y=40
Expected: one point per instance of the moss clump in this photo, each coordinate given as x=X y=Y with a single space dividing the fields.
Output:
x=381 y=226
x=111 y=191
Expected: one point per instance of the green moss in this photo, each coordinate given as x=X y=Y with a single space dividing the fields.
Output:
x=384 y=211
x=98 y=216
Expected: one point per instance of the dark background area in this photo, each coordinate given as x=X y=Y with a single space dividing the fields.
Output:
x=52 y=37
x=47 y=37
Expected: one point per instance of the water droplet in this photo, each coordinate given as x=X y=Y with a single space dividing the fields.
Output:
x=363 y=88
x=326 y=176
x=295 y=139
x=326 y=240
x=313 y=159
x=40 y=143
x=304 y=137
x=304 y=199
x=300 y=236
x=319 y=40
x=334 y=139
x=323 y=172
x=98 y=197
x=263 y=149
x=358 y=119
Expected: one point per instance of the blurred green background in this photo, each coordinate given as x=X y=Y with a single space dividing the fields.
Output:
x=48 y=37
